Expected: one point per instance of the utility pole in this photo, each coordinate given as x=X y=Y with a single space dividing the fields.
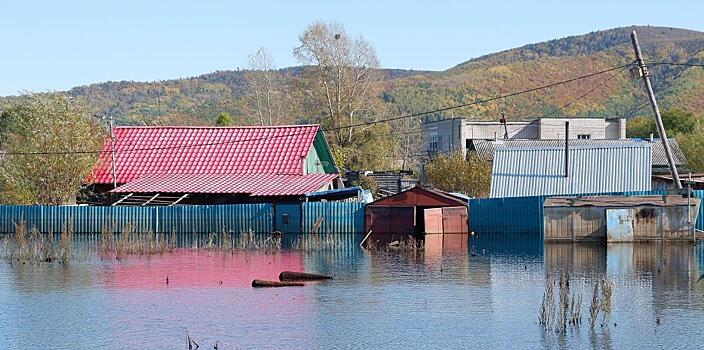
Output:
x=567 y=149
x=658 y=119
x=112 y=154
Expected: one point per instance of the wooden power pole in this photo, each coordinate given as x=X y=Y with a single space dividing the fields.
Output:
x=658 y=119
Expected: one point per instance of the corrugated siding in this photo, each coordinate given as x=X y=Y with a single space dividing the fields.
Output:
x=338 y=217
x=192 y=219
x=486 y=148
x=288 y=218
x=522 y=214
x=700 y=218
x=520 y=172
x=506 y=215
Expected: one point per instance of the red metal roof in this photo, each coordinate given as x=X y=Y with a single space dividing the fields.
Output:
x=421 y=197
x=148 y=151
x=251 y=184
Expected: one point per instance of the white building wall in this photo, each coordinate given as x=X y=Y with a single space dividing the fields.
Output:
x=554 y=128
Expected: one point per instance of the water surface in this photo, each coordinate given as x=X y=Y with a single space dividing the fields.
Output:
x=486 y=298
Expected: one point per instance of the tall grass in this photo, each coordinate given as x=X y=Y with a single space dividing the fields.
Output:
x=32 y=245
x=569 y=305
x=601 y=302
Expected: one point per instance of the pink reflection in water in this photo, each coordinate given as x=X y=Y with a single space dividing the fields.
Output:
x=188 y=268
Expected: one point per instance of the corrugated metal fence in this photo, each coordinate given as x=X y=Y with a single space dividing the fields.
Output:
x=338 y=217
x=237 y=218
x=524 y=214
x=700 y=218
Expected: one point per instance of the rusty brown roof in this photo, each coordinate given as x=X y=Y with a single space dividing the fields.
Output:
x=619 y=201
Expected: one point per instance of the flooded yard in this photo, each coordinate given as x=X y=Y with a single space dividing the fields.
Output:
x=487 y=297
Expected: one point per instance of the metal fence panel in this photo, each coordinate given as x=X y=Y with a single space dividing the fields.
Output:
x=288 y=218
x=338 y=217
x=181 y=219
x=700 y=218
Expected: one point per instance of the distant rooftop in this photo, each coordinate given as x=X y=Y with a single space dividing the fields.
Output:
x=523 y=172
x=486 y=148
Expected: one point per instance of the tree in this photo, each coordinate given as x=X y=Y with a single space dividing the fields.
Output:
x=340 y=86
x=224 y=119
x=266 y=89
x=453 y=172
x=692 y=145
x=675 y=122
x=51 y=144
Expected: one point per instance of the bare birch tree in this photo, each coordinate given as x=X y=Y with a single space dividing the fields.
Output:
x=341 y=81
x=267 y=89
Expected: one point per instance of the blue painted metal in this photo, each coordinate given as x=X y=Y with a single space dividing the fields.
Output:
x=192 y=219
x=288 y=218
x=522 y=215
x=619 y=225
x=699 y=225
x=338 y=217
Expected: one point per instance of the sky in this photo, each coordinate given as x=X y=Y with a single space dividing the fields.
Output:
x=56 y=45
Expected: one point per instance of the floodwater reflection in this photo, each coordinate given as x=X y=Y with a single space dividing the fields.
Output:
x=486 y=295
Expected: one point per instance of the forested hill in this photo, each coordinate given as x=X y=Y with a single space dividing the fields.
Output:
x=198 y=100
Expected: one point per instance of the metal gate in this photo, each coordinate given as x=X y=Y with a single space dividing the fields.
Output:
x=287 y=218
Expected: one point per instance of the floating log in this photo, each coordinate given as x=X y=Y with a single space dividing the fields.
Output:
x=302 y=276
x=265 y=283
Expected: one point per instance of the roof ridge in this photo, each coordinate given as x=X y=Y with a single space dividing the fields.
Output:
x=216 y=127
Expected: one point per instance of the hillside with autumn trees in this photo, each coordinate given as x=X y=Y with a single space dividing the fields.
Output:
x=236 y=96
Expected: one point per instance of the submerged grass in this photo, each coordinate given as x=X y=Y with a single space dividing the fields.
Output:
x=32 y=245
x=569 y=305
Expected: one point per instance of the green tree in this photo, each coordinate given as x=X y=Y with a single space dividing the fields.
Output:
x=641 y=127
x=692 y=145
x=224 y=119
x=675 y=122
x=453 y=172
x=51 y=144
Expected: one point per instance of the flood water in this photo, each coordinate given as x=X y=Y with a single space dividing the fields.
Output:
x=486 y=298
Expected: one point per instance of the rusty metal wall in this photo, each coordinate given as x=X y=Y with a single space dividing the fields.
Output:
x=390 y=220
x=433 y=219
x=567 y=224
x=646 y=223
x=454 y=220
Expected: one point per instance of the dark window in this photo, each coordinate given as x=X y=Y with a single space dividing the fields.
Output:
x=433 y=142
x=584 y=136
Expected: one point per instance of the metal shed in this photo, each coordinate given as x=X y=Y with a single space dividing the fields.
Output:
x=620 y=218
x=415 y=212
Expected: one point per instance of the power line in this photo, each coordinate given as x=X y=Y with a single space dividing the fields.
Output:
x=413 y=115
x=675 y=64
x=587 y=93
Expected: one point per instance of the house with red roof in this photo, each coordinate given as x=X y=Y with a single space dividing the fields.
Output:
x=212 y=165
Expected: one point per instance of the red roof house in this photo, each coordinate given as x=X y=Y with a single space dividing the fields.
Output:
x=237 y=161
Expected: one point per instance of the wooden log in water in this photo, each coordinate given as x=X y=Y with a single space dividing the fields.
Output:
x=265 y=283
x=302 y=276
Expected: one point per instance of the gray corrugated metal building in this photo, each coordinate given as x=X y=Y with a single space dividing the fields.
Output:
x=485 y=148
x=521 y=172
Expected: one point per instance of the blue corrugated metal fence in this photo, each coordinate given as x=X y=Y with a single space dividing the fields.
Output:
x=236 y=218
x=700 y=218
x=338 y=217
